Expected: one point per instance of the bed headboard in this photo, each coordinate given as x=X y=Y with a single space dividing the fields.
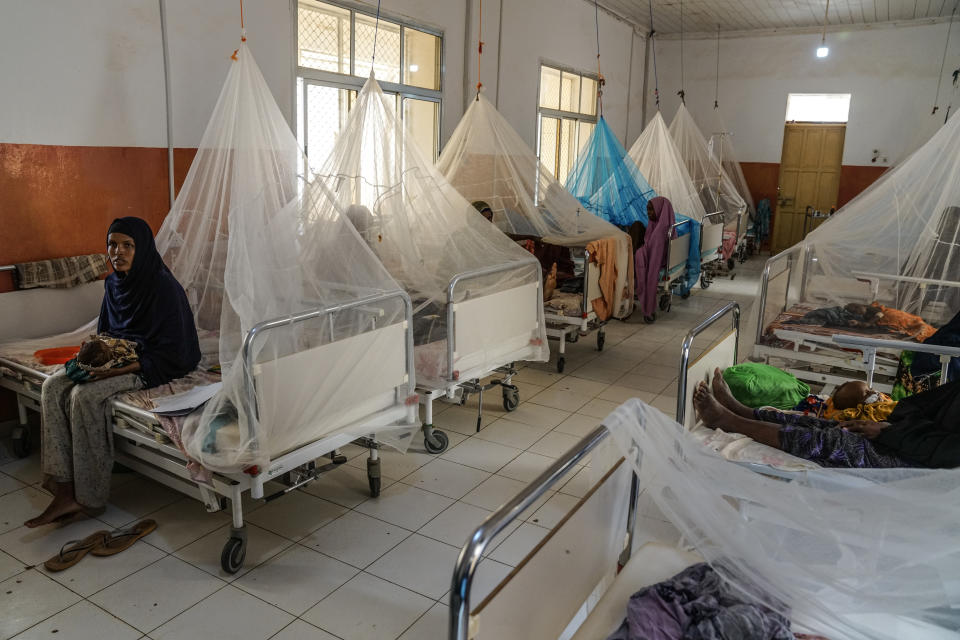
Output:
x=35 y=313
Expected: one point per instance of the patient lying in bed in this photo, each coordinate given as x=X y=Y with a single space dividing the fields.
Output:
x=923 y=430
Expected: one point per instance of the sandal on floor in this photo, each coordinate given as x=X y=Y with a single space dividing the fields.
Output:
x=123 y=539
x=72 y=552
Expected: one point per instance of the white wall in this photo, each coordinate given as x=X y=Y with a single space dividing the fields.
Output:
x=891 y=74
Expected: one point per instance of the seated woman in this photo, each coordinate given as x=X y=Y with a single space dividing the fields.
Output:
x=142 y=303
x=923 y=431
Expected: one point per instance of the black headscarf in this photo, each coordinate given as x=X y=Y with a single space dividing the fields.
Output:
x=149 y=307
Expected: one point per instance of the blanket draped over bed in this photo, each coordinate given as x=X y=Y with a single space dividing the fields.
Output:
x=696 y=604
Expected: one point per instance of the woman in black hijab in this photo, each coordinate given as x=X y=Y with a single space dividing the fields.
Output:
x=142 y=303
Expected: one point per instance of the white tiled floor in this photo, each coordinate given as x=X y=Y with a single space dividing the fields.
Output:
x=326 y=561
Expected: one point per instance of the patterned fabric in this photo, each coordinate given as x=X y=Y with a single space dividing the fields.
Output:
x=877 y=411
x=822 y=441
x=122 y=353
x=77 y=441
x=906 y=384
x=61 y=273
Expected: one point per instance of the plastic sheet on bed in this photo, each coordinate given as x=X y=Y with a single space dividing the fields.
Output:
x=898 y=241
x=250 y=241
x=851 y=554
x=660 y=162
x=607 y=181
x=487 y=160
x=715 y=188
x=426 y=233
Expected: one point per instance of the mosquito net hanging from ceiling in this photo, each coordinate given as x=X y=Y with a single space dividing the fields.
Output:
x=426 y=233
x=897 y=243
x=717 y=192
x=249 y=244
x=487 y=160
x=607 y=181
x=849 y=554
x=721 y=146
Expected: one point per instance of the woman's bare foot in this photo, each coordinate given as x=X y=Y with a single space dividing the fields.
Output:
x=712 y=413
x=62 y=505
x=725 y=397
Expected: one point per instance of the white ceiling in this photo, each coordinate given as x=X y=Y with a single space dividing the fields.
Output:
x=703 y=16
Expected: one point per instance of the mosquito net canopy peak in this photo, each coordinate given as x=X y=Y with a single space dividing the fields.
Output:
x=659 y=160
x=847 y=554
x=250 y=244
x=423 y=230
x=717 y=192
x=721 y=146
x=487 y=160
x=898 y=242
x=607 y=181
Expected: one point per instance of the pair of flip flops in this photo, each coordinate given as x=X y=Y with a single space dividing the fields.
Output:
x=99 y=543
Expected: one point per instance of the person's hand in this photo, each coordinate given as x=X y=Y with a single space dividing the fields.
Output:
x=867 y=428
x=102 y=374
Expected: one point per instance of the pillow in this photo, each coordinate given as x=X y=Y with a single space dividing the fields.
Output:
x=758 y=385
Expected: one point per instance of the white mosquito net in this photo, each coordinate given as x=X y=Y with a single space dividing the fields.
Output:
x=897 y=243
x=487 y=160
x=659 y=160
x=849 y=554
x=249 y=244
x=721 y=146
x=717 y=192
x=438 y=247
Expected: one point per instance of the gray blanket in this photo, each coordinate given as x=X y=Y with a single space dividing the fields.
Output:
x=695 y=604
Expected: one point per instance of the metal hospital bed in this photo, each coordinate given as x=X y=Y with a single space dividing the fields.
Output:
x=375 y=394
x=567 y=328
x=711 y=248
x=837 y=357
x=678 y=252
x=485 y=336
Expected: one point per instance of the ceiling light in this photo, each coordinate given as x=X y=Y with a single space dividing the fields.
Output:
x=823 y=51
x=414 y=68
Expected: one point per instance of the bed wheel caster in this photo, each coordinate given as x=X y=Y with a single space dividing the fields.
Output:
x=337 y=458
x=573 y=337
x=665 y=304
x=601 y=340
x=561 y=363
x=685 y=294
x=731 y=263
x=21 y=441
x=511 y=398
x=650 y=319
x=436 y=442
x=234 y=551
x=704 y=282
x=373 y=476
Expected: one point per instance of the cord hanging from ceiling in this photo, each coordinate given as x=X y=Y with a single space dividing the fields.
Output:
x=653 y=47
x=681 y=93
x=600 y=79
x=479 y=45
x=716 y=88
x=376 y=33
x=946 y=47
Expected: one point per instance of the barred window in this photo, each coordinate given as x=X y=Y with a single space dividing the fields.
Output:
x=335 y=55
x=566 y=116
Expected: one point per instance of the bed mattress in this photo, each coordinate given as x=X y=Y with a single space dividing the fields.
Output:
x=783 y=322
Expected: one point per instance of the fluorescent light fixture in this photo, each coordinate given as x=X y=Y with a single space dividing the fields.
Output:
x=823 y=51
x=415 y=67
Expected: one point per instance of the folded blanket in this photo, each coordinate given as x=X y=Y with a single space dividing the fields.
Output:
x=61 y=273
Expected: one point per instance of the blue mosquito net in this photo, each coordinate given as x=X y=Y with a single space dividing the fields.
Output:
x=607 y=181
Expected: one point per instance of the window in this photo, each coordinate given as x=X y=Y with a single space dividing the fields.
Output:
x=335 y=47
x=818 y=107
x=566 y=116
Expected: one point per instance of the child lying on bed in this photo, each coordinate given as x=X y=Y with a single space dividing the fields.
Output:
x=923 y=430
x=855 y=400
x=869 y=316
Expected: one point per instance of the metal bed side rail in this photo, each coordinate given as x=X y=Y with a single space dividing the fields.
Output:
x=26 y=371
x=789 y=256
x=729 y=308
x=259 y=329
x=870 y=347
x=479 y=273
x=496 y=522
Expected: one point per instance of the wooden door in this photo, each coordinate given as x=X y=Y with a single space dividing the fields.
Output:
x=809 y=176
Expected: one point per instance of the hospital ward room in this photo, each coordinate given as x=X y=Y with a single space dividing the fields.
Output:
x=480 y=320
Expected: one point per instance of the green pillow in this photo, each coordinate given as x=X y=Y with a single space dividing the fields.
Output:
x=759 y=385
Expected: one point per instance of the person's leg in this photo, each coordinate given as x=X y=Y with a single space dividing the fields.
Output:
x=725 y=397
x=93 y=439
x=716 y=416
x=56 y=451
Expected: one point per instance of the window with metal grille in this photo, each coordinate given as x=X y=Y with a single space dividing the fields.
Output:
x=335 y=46
x=566 y=115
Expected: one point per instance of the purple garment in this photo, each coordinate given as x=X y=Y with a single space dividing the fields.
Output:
x=653 y=253
x=695 y=604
